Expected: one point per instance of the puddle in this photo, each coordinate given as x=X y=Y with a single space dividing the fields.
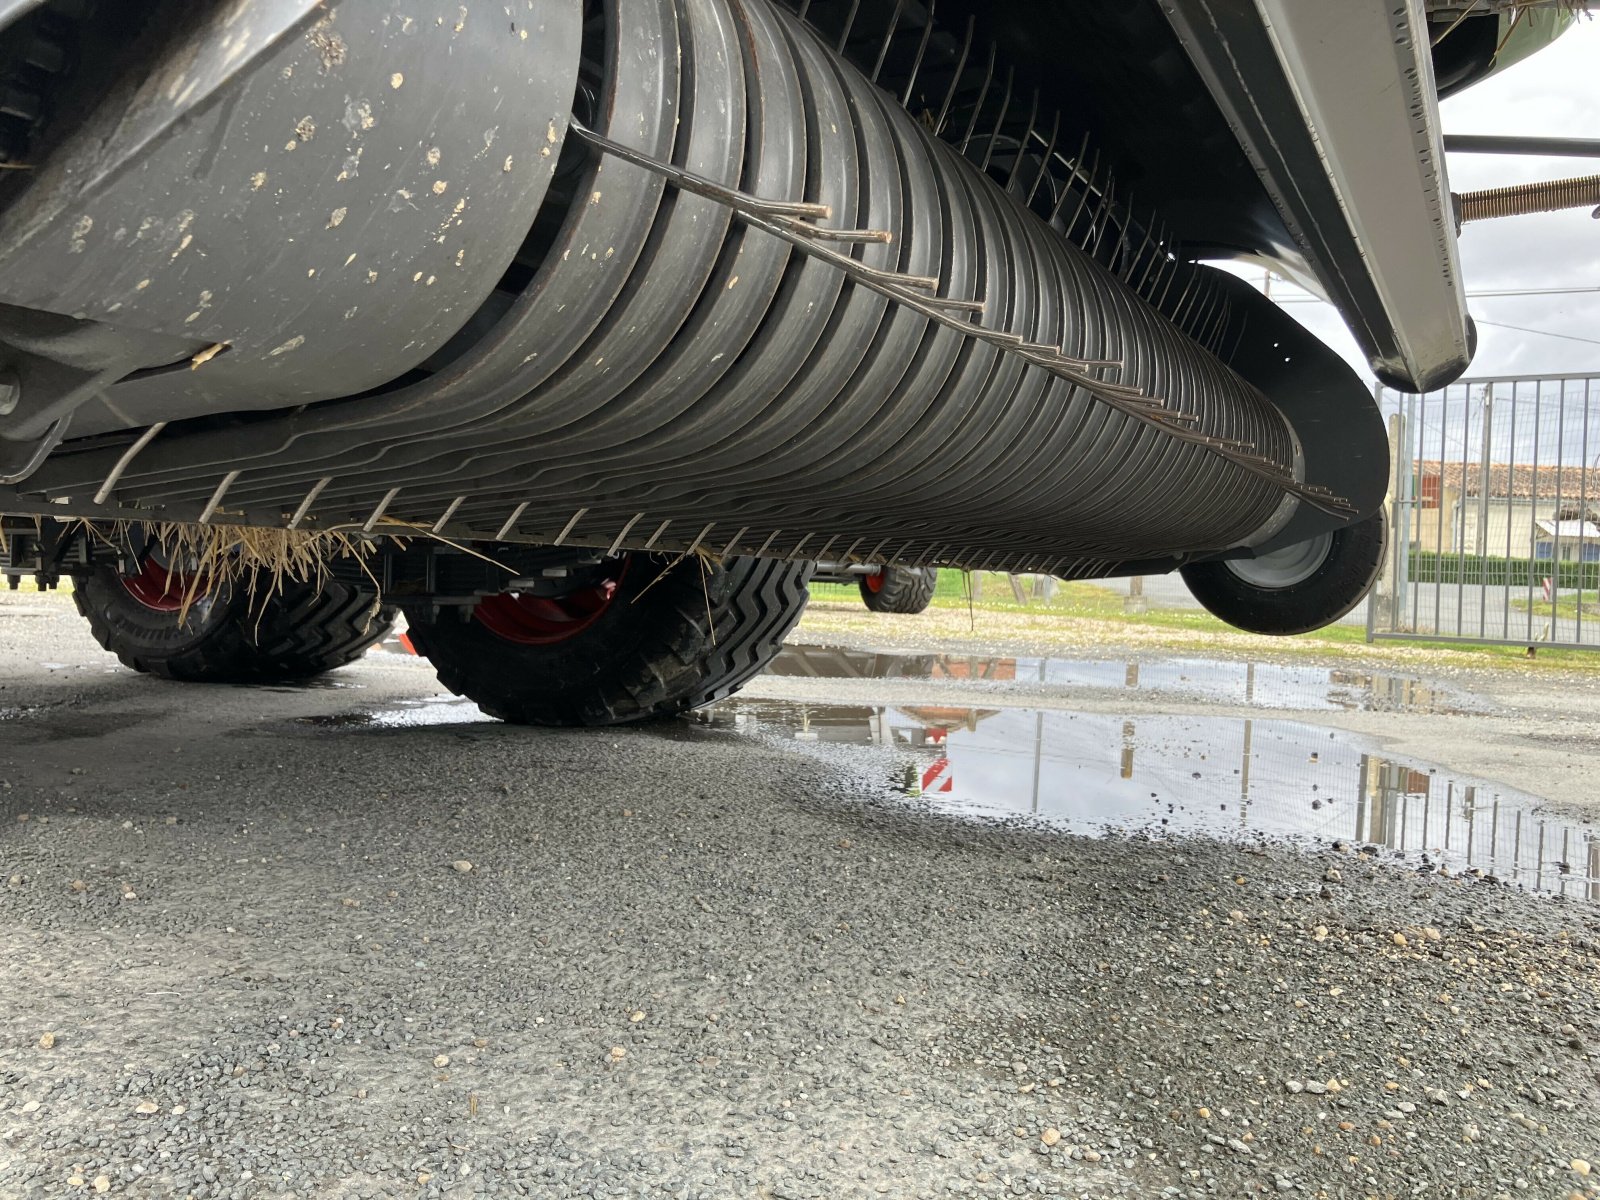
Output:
x=1231 y=778
x=1258 y=685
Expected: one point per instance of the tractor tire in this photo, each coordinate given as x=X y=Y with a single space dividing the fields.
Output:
x=655 y=639
x=230 y=635
x=900 y=589
x=1298 y=588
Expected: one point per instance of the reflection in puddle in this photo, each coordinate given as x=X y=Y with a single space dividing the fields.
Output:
x=1221 y=777
x=1260 y=685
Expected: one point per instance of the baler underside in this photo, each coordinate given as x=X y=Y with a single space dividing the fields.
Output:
x=690 y=281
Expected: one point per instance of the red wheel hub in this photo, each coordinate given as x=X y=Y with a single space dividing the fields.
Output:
x=544 y=620
x=161 y=590
x=874 y=582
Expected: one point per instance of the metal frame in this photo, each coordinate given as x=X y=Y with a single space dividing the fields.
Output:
x=1543 y=433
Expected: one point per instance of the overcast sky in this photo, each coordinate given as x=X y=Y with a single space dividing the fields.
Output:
x=1556 y=93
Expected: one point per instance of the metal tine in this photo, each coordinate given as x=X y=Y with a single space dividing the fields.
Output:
x=1207 y=322
x=1238 y=340
x=1083 y=200
x=977 y=109
x=383 y=506
x=1183 y=300
x=955 y=80
x=311 y=498
x=849 y=26
x=1046 y=350
x=511 y=521
x=1216 y=318
x=623 y=536
x=881 y=236
x=1133 y=248
x=216 y=497
x=656 y=536
x=1066 y=187
x=1195 y=321
x=951 y=304
x=1219 y=324
x=805 y=7
x=444 y=519
x=916 y=63
x=1044 y=163
x=569 y=526
x=700 y=186
x=1103 y=216
x=923 y=283
x=798 y=210
x=1126 y=241
x=1157 y=264
x=1000 y=120
x=1155 y=241
x=733 y=542
x=888 y=38
x=128 y=455
x=1161 y=301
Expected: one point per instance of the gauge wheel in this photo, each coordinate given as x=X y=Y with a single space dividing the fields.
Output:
x=899 y=589
x=1298 y=588
x=173 y=625
x=639 y=636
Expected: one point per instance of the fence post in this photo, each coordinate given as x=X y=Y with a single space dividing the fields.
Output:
x=1482 y=547
x=1399 y=519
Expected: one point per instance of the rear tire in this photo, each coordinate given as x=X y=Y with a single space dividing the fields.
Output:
x=227 y=635
x=904 y=590
x=666 y=638
x=1298 y=588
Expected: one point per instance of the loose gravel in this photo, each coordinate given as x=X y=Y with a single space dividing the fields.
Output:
x=250 y=954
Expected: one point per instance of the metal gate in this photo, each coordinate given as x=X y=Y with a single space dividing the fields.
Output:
x=1494 y=512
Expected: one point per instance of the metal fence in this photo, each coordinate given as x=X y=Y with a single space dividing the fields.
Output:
x=1495 y=514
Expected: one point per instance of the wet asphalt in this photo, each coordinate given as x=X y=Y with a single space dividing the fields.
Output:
x=353 y=940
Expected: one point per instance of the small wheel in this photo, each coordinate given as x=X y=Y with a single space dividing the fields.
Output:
x=899 y=589
x=164 y=622
x=637 y=637
x=1297 y=588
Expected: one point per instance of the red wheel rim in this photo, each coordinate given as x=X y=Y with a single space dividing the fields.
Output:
x=874 y=582
x=544 y=620
x=161 y=590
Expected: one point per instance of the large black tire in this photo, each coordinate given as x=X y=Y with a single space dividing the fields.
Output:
x=1297 y=589
x=899 y=589
x=232 y=636
x=672 y=637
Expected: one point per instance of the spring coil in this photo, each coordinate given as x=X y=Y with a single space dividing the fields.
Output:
x=674 y=378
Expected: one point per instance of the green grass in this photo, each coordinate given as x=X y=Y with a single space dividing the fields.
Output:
x=1564 y=606
x=1196 y=628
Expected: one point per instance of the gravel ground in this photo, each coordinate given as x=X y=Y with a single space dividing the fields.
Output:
x=256 y=946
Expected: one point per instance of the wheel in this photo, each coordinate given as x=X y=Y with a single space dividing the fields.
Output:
x=166 y=623
x=1298 y=588
x=637 y=637
x=900 y=589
